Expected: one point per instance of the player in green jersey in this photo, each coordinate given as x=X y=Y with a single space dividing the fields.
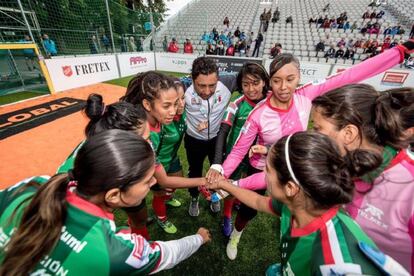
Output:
x=119 y=115
x=157 y=94
x=65 y=226
x=253 y=81
x=308 y=181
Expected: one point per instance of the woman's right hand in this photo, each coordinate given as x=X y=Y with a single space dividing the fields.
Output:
x=213 y=175
x=205 y=234
x=257 y=149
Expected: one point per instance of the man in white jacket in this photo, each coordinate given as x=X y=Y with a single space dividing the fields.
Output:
x=205 y=103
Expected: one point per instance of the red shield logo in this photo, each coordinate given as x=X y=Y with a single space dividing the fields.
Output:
x=67 y=71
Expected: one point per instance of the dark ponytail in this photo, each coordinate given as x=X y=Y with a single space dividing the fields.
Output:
x=119 y=115
x=323 y=174
x=111 y=159
x=39 y=230
x=375 y=114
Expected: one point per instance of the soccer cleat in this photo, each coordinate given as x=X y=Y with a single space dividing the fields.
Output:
x=227 y=227
x=205 y=192
x=193 y=210
x=231 y=248
x=167 y=226
x=215 y=207
x=173 y=203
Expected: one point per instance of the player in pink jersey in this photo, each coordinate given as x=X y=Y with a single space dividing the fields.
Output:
x=287 y=110
x=358 y=117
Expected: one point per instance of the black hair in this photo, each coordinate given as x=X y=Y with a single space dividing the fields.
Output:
x=325 y=176
x=146 y=86
x=119 y=115
x=255 y=70
x=204 y=66
x=377 y=115
x=281 y=60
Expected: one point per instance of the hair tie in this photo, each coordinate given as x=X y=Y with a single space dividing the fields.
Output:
x=288 y=160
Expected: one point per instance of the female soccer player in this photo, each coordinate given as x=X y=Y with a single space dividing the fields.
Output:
x=253 y=81
x=359 y=117
x=64 y=225
x=308 y=181
x=287 y=111
x=157 y=94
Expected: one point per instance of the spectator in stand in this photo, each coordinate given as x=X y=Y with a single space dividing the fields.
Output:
x=375 y=45
x=380 y=14
x=354 y=26
x=340 y=52
x=276 y=50
x=229 y=39
x=188 y=47
x=223 y=37
x=210 y=49
x=140 y=44
x=276 y=16
x=358 y=43
x=373 y=15
x=412 y=32
x=249 y=41
x=331 y=52
x=226 y=22
x=237 y=32
x=344 y=16
x=386 y=44
x=220 y=48
x=241 y=48
x=311 y=21
x=165 y=44
x=93 y=45
x=387 y=31
x=289 y=19
x=132 y=47
x=367 y=46
x=366 y=15
x=258 y=41
x=267 y=19
x=347 y=26
x=105 y=42
x=230 y=50
x=394 y=43
x=320 y=21
x=400 y=30
x=341 y=42
x=394 y=31
x=374 y=29
x=350 y=43
x=243 y=36
x=326 y=24
x=320 y=47
x=214 y=34
x=262 y=20
x=49 y=45
x=333 y=25
x=205 y=37
x=173 y=46
x=349 y=53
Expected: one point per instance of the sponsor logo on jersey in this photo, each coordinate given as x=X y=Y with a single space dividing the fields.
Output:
x=139 y=255
x=373 y=214
x=71 y=241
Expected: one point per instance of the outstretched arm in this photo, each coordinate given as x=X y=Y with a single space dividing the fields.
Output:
x=176 y=182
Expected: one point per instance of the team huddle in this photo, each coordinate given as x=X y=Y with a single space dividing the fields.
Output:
x=333 y=159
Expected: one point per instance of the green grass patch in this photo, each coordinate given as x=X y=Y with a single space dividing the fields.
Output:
x=19 y=96
x=258 y=247
x=125 y=80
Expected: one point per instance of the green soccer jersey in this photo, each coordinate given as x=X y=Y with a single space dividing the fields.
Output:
x=327 y=245
x=69 y=163
x=171 y=137
x=89 y=243
x=236 y=114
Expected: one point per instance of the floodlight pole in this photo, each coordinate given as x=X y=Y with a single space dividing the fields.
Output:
x=25 y=20
x=110 y=26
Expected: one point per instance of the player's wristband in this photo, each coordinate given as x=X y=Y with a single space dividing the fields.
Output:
x=218 y=168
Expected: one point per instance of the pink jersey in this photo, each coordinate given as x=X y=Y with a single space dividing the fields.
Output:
x=269 y=124
x=386 y=212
